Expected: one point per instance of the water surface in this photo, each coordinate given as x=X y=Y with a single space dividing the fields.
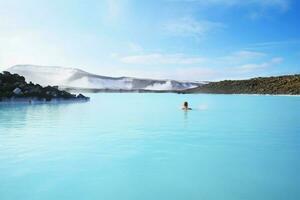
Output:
x=142 y=146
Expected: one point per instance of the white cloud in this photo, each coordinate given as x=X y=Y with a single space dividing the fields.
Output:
x=197 y=73
x=275 y=44
x=282 y=5
x=158 y=59
x=135 y=47
x=253 y=9
x=242 y=56
x=188 y=26
x=202 y=73
x=277 y=60
x=44 y=48
x=24 y=47
x=114 y=9
x=182 y=59
x=248 y=54
x=258 y=67
x=176 y=73
x=185 y=67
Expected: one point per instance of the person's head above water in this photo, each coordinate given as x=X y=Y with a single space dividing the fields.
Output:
x=186 y=106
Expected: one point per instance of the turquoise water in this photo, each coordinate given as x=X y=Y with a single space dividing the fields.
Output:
x=142 y=146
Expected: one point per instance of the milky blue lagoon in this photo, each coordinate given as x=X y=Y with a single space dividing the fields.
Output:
x=143 y=147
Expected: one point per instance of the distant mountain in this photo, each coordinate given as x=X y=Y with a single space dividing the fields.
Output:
x=289 y=84
x=72 y=78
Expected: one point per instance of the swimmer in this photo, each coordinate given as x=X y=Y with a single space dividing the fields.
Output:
x=186 y=106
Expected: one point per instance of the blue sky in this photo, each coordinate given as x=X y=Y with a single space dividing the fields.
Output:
x=178 y=39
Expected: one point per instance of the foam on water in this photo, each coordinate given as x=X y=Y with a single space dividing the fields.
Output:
x=203 y=107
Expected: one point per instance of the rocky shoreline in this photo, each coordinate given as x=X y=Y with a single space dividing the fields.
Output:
x=14 y=88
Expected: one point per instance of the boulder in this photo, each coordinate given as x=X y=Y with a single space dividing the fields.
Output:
x=81 y=96
x=17 y=91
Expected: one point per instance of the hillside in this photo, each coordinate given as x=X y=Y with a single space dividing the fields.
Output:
x=14 y=86
x=289 y=84
x=70 y=78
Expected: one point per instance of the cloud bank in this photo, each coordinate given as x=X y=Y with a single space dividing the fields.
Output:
x=190 y=27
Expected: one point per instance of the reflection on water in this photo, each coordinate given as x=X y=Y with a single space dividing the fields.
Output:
x=185 y=118
x=19 y=115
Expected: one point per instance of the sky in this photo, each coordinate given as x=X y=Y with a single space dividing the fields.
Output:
x=166 y=39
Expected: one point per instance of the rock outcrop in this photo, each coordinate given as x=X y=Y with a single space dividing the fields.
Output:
x=14 y=86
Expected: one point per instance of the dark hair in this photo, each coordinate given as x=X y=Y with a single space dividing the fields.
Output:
x=186 y=104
